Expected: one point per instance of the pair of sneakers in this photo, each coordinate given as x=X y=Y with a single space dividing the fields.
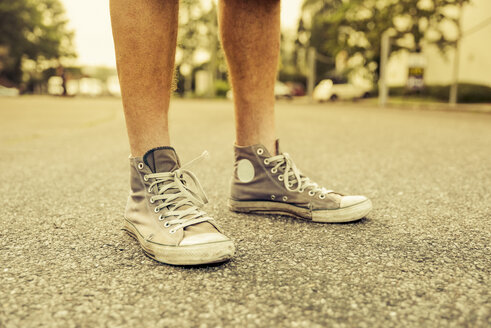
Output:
x=164 y=210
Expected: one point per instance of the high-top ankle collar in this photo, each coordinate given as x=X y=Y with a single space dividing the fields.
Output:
x=162 y=159
x=258 y=147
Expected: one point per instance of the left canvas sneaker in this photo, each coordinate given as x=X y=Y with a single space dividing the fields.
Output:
x=265 y=184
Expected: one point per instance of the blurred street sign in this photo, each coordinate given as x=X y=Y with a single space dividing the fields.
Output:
x=416 y=69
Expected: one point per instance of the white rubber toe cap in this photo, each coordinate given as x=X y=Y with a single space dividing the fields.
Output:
x=352 y=200
x=203 y=238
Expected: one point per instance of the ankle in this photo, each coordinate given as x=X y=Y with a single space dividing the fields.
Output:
x=138 y=149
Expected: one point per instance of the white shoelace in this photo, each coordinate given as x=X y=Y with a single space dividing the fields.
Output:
x=292 y=176
x=180 y=196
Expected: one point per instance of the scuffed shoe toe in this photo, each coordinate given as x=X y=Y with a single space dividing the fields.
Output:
x=347 y=201
x=203 y=238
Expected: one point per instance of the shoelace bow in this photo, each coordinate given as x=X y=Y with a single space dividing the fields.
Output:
x=292 y=176
x=175 y=194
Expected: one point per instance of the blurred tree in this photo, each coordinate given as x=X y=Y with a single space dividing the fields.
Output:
x=288 y=71
x=198 y=44
x=32 y=30
x=356 y=26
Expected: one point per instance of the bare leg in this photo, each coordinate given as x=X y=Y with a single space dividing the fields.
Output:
x=145 y=33
x=250 y=33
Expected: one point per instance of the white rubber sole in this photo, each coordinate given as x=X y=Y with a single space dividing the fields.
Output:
x=215 y=252
x=346 y=214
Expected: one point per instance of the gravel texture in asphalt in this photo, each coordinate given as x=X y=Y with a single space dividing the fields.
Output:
x=420 y=259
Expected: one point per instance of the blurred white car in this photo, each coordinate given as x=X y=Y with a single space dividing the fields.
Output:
x=281 y=90
x=327 y=90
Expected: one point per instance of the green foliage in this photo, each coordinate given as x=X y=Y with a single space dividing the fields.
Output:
x=221 y=88
x=356 y=26
x=31 y=29
x=467 y=92
x=288 y=76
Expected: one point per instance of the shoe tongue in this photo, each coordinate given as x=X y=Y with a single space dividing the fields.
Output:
x=161 y=159
x=164 y=159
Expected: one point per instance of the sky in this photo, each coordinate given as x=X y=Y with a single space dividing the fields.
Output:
x=93 y=38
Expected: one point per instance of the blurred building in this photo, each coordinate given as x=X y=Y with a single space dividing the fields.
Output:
x=475 y=50
x=92 y=81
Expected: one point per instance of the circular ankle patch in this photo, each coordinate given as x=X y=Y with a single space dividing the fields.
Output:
x=245 y=170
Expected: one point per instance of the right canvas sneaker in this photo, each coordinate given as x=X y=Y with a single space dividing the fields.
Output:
x=265 y=184
x=165 y=213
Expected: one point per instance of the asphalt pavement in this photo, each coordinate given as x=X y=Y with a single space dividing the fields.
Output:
x=420 y=259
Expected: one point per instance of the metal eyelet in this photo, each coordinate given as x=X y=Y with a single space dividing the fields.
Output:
x=266 y=161
x=152 y=200
x=172 y=231
x=145 y=178
x=322 y=196
x=156 y=210
x=311 y=193
x=140 y=166
x=285 y=198
x=274 y=170
x=167 y=224
x=280 y=177
x=290 y=184
x=260 y=151
x=161 y=217
x=273 y=197
x=301 y=190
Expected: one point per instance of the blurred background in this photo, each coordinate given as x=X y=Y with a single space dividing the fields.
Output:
x=411 y=50
x=385 y=98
